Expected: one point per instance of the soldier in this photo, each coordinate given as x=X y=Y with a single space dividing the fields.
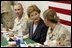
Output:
x=58 y=35
x=6 y=14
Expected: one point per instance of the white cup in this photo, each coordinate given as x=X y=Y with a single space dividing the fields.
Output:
x=23 y=45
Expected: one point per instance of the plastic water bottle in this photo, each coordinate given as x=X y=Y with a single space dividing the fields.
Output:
x=20 y=37
x=18 y=42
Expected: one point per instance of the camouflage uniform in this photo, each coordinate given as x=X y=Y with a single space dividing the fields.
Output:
x=7 y=17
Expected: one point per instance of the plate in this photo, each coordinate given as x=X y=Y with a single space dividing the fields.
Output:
x=12 y=42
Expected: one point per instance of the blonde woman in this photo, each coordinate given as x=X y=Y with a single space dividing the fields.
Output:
x=57 y=35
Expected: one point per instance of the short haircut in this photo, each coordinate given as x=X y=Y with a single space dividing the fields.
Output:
x=32 y=8
x=51 y=15
x=18 y=4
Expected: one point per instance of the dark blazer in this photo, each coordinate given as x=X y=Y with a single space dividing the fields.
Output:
x=40 y=33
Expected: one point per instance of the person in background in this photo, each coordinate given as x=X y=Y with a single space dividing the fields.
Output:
x=57 y=35
x=7 y=15
x=37 y=28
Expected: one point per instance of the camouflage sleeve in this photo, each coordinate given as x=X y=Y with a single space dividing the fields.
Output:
x=65 y=39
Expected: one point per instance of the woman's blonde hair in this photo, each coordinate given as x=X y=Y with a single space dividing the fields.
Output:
x=32 y=8
x=51 y=15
